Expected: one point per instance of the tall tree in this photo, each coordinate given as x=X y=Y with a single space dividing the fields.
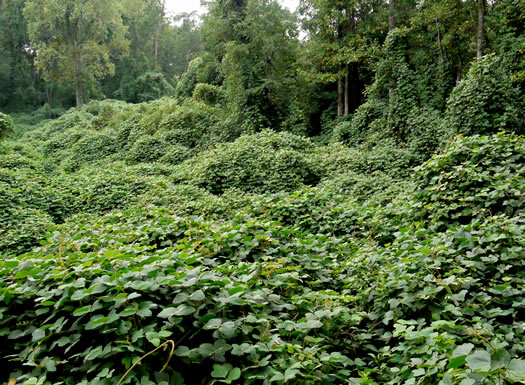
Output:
x=157 y=14
x=481 y=16
x=342 y=35
x=254 y=43
x=20 y=87
x=76 y=40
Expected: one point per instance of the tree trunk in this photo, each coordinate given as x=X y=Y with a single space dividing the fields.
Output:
x=481 y=14
x=347 y=91
x=48 y=95
x=460 y=70
x=156 y=45
x=391 y=17
x=340 y=97
x=162 y=8
x=440 y=46
x=391 y=26
x=156 y=48
x=79 y=87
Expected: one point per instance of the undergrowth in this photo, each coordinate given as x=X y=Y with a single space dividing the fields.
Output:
x=260 y=257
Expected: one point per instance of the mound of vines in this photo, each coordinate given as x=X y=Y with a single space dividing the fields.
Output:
x=131 y=256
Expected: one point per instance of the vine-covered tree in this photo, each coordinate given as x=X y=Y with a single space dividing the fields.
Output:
x=253 y=43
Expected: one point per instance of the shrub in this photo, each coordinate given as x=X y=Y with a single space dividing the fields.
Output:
x=149 y=86
x=374 y=186
x=265 y=162
x=474 y=178
x=176 y=154
x=61 y=141
x=363 y=123
x=426 y=133
x=146 y=149
x=209 y=94
x=195 y=124
x=128 y=132
x=46 y=112
x=16 y=161
x=23 y=200
x=189 y=79
x=73 y=119
x=386 y=156
x=106 y=112
x=93 y=147
x=21 y=229
x=6 y=125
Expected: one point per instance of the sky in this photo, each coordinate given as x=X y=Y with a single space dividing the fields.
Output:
x=178 y=6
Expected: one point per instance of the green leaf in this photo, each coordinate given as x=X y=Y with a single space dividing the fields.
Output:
x=235 y=290
x=50 y=366
x=463 y=350
x=425 y=250
x=516 y=369
x=419 y=372
x=221 y=371
x=197 y=296
x=11 y=264
x=479 y=360
x=500 y=359
x=165 y=333
x=181 y=310
x=233 y=375
x=457 y=362
x=277 y=377
x=82 y=310
x=79 y=295
x=214 y=323
x=290 y=374
x=153 y=337
x=38 y=334
x=228 y=329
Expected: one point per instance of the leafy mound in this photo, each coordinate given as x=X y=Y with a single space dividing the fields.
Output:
x=264 y=162
x=6 y=124
x=306 y=287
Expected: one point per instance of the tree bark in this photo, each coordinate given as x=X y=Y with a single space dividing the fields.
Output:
x=347 y=91
x=162 y=11
x=391 y=16
x=340 y=96
x=481 y=15
x=79 y=87
x=156 y=48
x=460 y=70
x=391 y=26
x=48 y=96
x=440 y=46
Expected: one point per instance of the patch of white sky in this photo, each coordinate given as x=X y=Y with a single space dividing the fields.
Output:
x=179 y=6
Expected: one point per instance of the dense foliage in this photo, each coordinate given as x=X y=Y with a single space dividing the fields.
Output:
x=267 y=259
x=256 y=208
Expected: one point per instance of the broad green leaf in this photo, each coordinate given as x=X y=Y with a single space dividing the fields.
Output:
x=479 y=360
x=82 y=310
x=516 y=369
x=220 y=370
x=38 y=334
x=233 y=375
x=457 y=362
x=500 y=359
x=463 y=350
